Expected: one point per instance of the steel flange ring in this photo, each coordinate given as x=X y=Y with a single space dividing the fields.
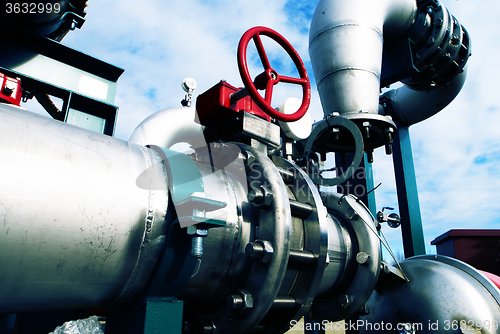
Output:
x=358 y=155
x=272 y=225
x=367 y=260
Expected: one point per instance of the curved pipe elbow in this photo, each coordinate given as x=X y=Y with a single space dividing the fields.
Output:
x=409 y=106
x=169 y=127
x=345 y=45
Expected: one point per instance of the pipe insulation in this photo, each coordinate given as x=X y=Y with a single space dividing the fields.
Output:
x=76 y=231
x=345 y=45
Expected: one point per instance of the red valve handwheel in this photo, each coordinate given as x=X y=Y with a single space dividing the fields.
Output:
x=270 y=77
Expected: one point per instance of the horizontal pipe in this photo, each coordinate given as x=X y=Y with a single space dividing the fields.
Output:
x=76 y=231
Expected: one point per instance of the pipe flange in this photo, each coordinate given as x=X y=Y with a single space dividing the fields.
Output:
x=264 y=278
x=315 y=241
x=441 y=49
x=367 y=260
x=380 y=127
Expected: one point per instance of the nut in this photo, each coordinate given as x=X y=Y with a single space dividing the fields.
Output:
x=362 y=258
x=260 y=250
x=346 y=301
x=261 y=197
x=196 y=232
x=364 y=310
x=351 y=214
x=241 y=301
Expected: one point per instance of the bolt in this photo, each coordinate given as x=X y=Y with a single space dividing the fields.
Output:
x=366 y=129
x=197 y=247
x=362 y=258
x=197 y=240
x=334 y=134
x=364 y=310
x=408 y=328
x=322 y=155
x=187 y=328
x=196 y=232
x=394 y=220
x=346 y=301
x=388 y=148
x=369 y=155
x=260 y=250
x=249 y=159
x=209 y=327
x=220 y=149
x=8 y=91
x=235 y=302
x=240 y=301
x=351 y=214
x=430 y=41
x=438 y=22
x=261 y=197
x=384 y=269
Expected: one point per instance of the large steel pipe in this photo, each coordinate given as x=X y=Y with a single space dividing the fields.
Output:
x=345 y=45
x=75 y=229
x=347 y=41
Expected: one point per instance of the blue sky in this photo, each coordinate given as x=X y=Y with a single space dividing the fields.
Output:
x=159 y=43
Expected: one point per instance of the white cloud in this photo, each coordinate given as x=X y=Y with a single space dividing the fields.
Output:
x=160 y=43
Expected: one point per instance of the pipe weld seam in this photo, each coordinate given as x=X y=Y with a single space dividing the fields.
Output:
x=347 y=69
x=311 y=40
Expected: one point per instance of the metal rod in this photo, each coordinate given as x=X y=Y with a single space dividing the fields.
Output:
x=238 y=95
x=301 y=257
x=284 y=303
x=286 y=175
x=299 y=209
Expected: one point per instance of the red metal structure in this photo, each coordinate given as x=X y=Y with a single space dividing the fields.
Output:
x=10 y=90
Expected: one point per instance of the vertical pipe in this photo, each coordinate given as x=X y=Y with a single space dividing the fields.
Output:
x=406 y=184
x=345 y=45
